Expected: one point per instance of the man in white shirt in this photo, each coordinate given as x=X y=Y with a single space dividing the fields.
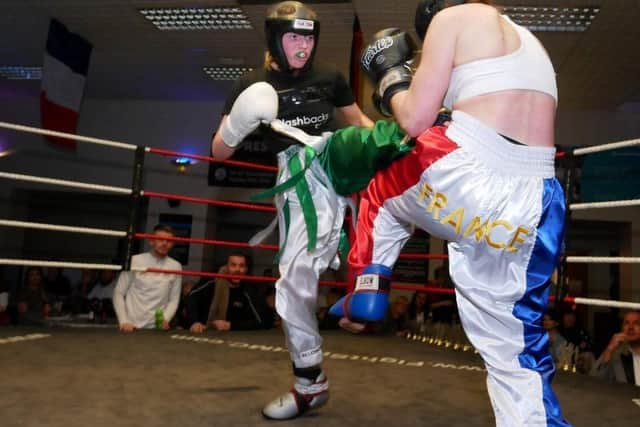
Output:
x=137 y=296
x=620 y=361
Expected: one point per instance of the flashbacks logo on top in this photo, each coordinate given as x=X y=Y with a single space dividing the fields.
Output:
x=64 y=74
x=316 y=121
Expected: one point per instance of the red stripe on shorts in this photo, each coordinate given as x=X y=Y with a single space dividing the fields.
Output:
x=391 y=182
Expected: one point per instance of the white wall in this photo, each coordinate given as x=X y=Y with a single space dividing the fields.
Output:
x=577 y=128
x=181 y=126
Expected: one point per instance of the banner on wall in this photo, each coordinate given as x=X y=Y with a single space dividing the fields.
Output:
x=253 y=150
x=64 y=74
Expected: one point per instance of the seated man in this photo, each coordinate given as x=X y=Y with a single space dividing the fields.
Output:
x=396 y=320
x=236 y=306
x=138 y=296
x=194 y=305
x=33 y=306
x=619 y=362
x=78 y=301
x=4 y=301
x=57 y=288
x=325 y=321
x=442 y=306
x=557 y=342
x=101 y=295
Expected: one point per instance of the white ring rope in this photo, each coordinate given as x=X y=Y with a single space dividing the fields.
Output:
x=65 y=183
x=614 y=204
x=603 y=260
x=61 y=264
x=605 y=147
x=55 y=227
x=99 y=141
x=607 y=303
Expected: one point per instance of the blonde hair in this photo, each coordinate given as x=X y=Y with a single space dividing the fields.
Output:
x=268 y=60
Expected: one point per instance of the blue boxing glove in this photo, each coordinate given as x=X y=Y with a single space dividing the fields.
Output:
x=370 y=299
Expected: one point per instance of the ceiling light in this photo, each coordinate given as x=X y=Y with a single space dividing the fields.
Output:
x=560 y=19
x=217 y=18
x=13 y=72
x=225 y=73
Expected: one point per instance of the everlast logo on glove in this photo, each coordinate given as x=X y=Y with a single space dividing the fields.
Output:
x=368 y=281
x=374 y=49
x=385 y=63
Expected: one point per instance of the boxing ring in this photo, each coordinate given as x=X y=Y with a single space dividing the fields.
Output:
x=96 y=375
x=72 y=377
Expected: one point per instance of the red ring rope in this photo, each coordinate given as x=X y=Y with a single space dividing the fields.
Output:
x=212 y=202
x=248 y=165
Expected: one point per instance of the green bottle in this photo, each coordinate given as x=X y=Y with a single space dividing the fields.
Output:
x=159 y=318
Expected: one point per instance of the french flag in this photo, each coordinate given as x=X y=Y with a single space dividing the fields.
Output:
x=64 y=73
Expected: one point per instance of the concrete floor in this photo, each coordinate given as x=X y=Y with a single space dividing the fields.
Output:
x=99 y=378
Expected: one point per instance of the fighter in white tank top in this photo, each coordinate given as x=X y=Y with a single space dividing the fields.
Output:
x=528 y=67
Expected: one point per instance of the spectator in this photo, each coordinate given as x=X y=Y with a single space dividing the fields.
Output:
x=442 y=306
x=272 y=314
x=33 y=307
x=418 y=312
x=579 y=338
x=620 y=361
x=195 y=304
x=79 y=301
x=57 y=288
x=396 y=321
x=180 y=319
x=573 y=333
x=556 y=341
x=101 y=295
x=137 y=296
x=234 y=306
x=325 y=320
x=5 y=319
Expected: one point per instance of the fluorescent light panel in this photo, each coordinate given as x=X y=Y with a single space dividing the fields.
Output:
x=15 y=72
x=198 y=18
x=560 y=19
x=225 y=73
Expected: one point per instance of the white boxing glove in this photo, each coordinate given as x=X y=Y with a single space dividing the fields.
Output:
x=256 y=104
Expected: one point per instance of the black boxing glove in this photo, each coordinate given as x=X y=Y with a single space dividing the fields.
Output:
x=443 y=117
x=385 y=63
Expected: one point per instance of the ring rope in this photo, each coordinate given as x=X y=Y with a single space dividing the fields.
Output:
x=61 y=264
x=65 y=183
x=132 y=147
x=147 y=236
x=41 y=263
x=56 y=227
x=604 y=303
x=613 y=204
x=204 y=241
x=603 y=260
x=171 y=153
x=423 y=256
x=212 y=202
x=605 y=147
x=98 y=141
